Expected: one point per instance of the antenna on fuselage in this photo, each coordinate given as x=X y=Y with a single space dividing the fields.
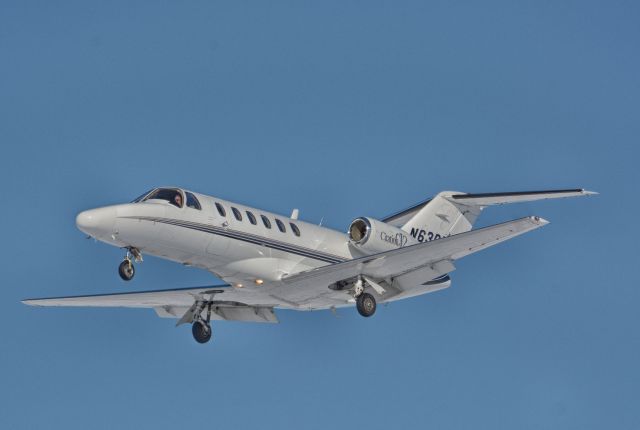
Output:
x=321 y=219
x=294 y=214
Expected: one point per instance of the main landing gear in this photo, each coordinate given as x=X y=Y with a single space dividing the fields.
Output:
x=201 y=331
x=126 y=270
x=201 y=327
x=365 y=302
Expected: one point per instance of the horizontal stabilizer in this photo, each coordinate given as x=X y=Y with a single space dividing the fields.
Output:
x=488 y=199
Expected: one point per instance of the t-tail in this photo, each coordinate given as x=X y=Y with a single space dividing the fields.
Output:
x=452 y=212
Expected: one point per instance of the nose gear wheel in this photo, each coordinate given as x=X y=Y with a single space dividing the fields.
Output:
x=126 y=270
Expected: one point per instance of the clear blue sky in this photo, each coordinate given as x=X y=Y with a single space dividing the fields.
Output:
x=341 y=109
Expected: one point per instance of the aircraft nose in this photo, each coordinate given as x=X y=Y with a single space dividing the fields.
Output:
x=97 y=222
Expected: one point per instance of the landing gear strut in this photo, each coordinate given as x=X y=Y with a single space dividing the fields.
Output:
x=126 y=270
x=201 y=328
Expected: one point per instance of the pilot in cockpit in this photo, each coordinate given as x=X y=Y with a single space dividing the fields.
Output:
x=177 y=200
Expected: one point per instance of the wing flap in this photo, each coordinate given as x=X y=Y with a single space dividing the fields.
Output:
x=226 y=313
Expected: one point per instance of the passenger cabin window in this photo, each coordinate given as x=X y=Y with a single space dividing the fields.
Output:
x=265 y=221
x=236 y=213
x=280 y=225
x=171 y=195
x=295 y=229
x=252 y=218
x=193 y=202
x=221 y=210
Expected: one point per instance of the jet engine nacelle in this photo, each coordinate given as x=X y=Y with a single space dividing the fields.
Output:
x=371 y=236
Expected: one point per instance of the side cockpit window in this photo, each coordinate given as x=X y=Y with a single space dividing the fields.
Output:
x=171 y=195
x=192 y=201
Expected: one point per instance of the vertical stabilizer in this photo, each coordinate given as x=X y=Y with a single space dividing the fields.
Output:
x=441 y=217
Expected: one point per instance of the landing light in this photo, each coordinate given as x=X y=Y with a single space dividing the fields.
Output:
x=239 y=285
x=259 y=281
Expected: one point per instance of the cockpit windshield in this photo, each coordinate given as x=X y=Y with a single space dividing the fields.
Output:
x=141 y=197
x=171 y=195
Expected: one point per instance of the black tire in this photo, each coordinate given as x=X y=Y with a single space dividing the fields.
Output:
x=366 y=304
x=126 y=270
x=201 y=331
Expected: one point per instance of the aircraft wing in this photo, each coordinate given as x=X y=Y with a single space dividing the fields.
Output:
x=175 y=303
x=437 y=255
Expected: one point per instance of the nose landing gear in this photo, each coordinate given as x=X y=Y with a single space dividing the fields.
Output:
x=126 y=270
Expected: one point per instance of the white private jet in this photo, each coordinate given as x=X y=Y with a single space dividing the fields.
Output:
x=272 y=261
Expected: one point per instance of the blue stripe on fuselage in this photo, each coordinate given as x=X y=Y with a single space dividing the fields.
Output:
x=250 y=238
